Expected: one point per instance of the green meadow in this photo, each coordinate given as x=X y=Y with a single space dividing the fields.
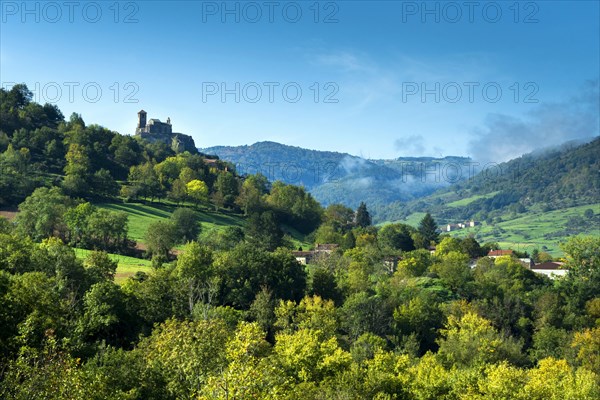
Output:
x=127 y=266
x=142 y=215
x=524 y=232
x=469 y=200
x=542 y=230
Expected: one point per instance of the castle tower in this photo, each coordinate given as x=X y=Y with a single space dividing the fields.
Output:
x=142 y=119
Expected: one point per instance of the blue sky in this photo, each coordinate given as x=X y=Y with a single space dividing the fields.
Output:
x=371 y=62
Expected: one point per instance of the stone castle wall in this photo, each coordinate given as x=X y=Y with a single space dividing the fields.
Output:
x=157 y=131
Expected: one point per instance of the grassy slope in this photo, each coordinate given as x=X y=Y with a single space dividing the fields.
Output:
x=298 y=239
x=414 y=219
x=142 y=215
x=563 y=179
x=525 y=231
x=127 y=266
x=469 y=200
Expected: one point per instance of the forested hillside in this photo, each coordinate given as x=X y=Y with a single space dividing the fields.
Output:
x=548 y=180
x=345 y=179
x=221 y=303
x=70 y=180
x=535 y=200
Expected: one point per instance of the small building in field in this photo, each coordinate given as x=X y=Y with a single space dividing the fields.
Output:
x=452 y=227
x=551 y=269
x=460 y=225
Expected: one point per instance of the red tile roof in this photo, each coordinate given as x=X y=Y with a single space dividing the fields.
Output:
x=549 y=265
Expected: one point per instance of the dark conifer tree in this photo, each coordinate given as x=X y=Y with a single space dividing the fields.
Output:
x=428 y=229
x=363 y=218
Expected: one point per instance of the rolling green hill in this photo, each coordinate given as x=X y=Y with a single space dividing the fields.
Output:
x=542 y=230
x=536 y=200
x=78 y=182
x=141 y=215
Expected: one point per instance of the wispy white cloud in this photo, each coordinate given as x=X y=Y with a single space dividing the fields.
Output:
x=413 y=145
x=503 y=137
x=366 y=82
x=352 y=164
x=346 y=61
x=368 y=86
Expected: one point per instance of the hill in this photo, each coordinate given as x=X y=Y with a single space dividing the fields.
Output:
x=96 y=189
x=535 y=200
x=333 y=177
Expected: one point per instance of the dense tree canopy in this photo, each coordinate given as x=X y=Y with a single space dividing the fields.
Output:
x=229 y=312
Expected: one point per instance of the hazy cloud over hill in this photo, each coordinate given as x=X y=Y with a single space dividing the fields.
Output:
x=504 y=137
x=344 y=178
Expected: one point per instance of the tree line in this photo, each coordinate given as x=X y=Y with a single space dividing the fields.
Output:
x=230 y=318
x=234 y=315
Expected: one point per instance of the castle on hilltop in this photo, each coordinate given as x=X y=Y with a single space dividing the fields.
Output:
x=154 y=130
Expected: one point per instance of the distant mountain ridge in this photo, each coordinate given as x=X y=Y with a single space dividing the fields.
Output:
x=334 y=177
x=291 y=164
x=544 y=180
x=534 y=201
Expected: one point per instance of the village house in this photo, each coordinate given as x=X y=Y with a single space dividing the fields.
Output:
x=321 y=250
x=325 y=247
x=304 y=257
x=460 y=225
x=551 y=269
x=526 y=262
x=216 y=165
x=452 y=227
